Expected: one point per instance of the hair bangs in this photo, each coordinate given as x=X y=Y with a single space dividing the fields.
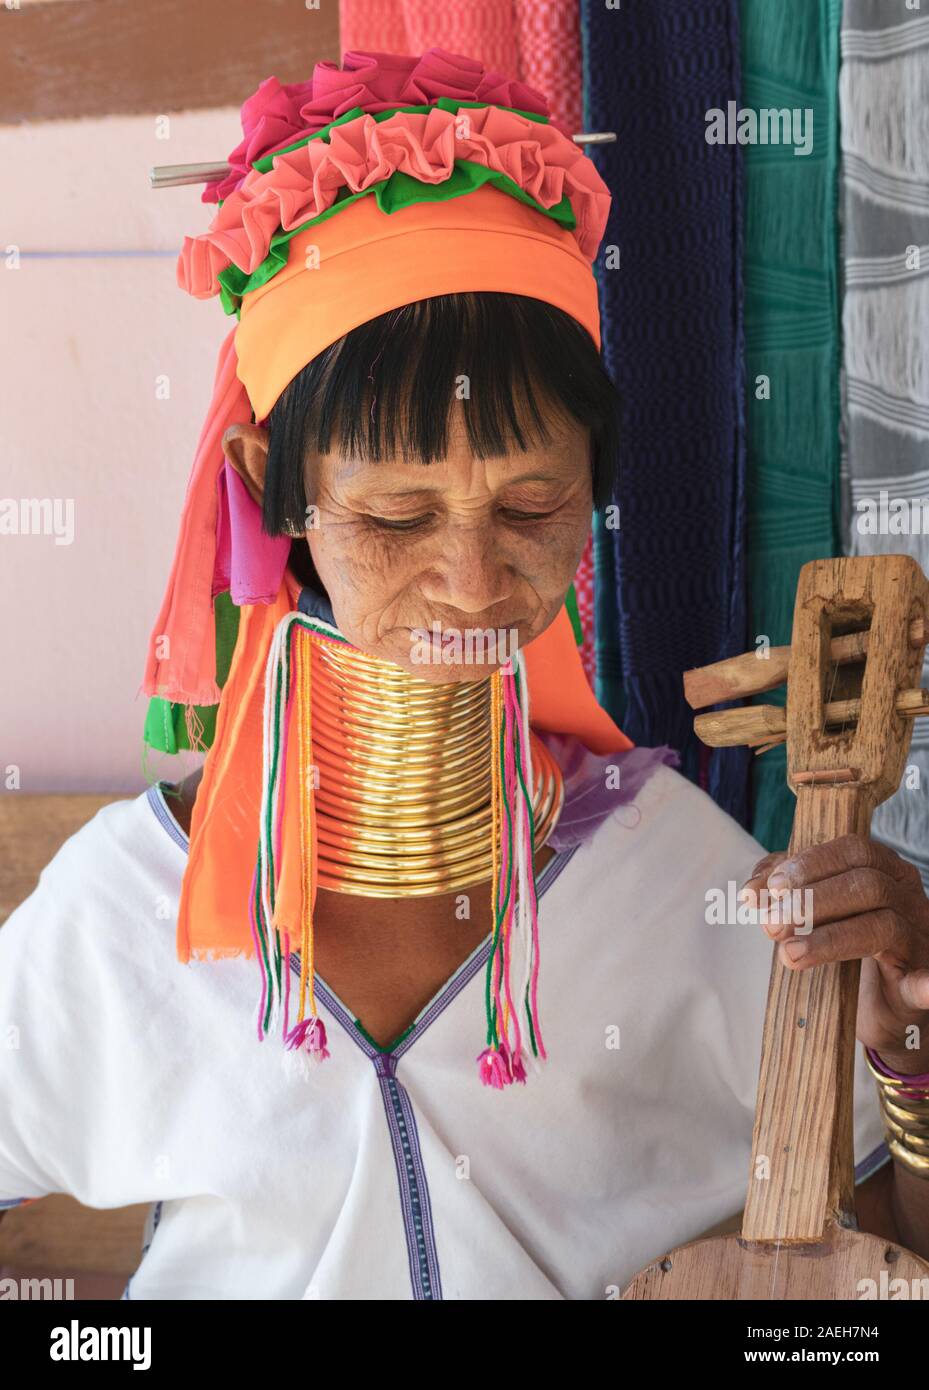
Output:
x=388 y=389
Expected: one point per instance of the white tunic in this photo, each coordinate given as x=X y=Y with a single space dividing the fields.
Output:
x=127 y=1077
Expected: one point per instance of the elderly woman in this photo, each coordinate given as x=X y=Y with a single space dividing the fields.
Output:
x=413 y=814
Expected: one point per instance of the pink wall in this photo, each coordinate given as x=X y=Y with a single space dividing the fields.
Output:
x=84 y=341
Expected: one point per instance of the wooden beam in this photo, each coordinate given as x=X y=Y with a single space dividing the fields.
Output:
x=56 y=1236
x=33 y=827
x=127 y=57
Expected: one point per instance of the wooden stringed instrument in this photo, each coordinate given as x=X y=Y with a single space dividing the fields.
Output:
x=852 y=670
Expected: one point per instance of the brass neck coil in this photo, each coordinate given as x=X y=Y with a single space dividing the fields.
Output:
x=403 y=801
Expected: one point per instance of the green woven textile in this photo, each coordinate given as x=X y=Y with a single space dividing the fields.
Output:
x=790 y=59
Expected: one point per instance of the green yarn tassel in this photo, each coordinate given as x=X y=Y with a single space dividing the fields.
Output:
x=570 y=603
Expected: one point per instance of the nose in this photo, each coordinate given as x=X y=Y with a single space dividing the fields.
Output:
x=468 y=575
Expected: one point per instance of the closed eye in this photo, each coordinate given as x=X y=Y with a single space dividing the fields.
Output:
x=416 y=522
x=525 y=516
x=407 y=524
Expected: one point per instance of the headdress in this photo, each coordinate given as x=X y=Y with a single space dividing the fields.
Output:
x=388 y=180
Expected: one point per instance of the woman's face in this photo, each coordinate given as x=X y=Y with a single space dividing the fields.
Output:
x=444 y=569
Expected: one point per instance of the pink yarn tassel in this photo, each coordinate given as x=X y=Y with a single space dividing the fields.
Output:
x=517 y=1070
x=534 y=979
x=513 y=793
x=493 y=1068
x=309 y=1034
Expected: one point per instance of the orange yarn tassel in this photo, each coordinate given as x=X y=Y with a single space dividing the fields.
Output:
x=308 y=1032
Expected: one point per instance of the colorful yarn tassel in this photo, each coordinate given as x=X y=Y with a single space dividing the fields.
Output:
x=307 y=1033
x=515 y=946
x=287 y=703
x=310 y=1034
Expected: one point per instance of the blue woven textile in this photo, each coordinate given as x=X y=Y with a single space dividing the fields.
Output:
x=670 y=584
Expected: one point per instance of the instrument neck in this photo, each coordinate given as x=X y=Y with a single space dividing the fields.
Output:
x=802 y=1175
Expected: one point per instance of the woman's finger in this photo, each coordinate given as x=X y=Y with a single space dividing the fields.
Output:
x=817 y=862
x=759 y=874
x=853 y=938
x=847 y=894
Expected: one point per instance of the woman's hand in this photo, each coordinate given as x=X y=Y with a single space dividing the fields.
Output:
x=859 y=899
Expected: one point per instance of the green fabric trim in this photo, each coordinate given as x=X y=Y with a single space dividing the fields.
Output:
x=570 y=602
x=165 y=723
x=394 y=1042
x=398 y=190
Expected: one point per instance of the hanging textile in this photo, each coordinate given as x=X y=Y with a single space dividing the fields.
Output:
x=485 y=29
x=671 y=326
x=166 y=724
x=539 y=44
x=790 y=62
x=884 y=99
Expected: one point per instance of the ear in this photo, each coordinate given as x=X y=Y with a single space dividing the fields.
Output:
x=246 y=448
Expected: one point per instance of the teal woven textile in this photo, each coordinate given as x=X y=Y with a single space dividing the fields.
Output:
x=790 y=60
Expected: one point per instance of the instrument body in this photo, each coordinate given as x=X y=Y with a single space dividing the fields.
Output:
x=859 y=634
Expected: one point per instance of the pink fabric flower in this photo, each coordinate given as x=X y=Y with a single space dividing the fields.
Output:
x=302 y=184
x=278 y=113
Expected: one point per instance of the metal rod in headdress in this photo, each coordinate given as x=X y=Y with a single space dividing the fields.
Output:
x=174 y=175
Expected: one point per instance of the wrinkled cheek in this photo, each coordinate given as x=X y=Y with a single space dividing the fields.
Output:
x=364 y=582
x=549 y=565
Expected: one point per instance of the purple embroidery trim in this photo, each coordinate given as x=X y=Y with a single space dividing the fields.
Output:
x=590 y=797
x=414 y=1190
x=157 y=802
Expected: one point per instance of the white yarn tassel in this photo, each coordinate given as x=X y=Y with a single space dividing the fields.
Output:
x=523 y=916
x=275 y=705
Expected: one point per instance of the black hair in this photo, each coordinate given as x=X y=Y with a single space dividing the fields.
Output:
x=380 y=391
